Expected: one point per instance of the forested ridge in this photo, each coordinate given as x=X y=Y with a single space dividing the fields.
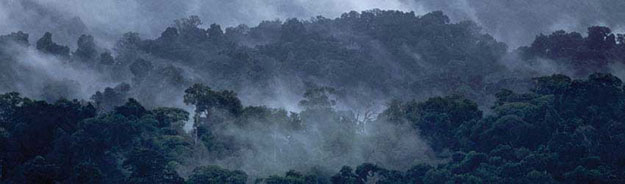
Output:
x=455 y=105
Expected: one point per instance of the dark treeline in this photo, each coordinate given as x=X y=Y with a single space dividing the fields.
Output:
x=374 y=54
x=365 y=55
x=564 y=130
x=491 y=124
x=595 y=52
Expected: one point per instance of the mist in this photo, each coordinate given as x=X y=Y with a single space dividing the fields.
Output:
x=514 y=22
x=374 y=69
x=265 y=148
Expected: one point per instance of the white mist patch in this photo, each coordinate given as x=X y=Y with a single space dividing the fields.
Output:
x=268 y=148
x=618 y=69
x=39 y=70
x=4 y=19
x=565 y=23
x=282 y=96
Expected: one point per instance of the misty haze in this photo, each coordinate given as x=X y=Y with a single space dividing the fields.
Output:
x=303 y=92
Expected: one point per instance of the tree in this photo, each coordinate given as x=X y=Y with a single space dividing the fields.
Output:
x=170 y=117
x=345 y=176
x=169 y=35
x=140 y=69
x=539 y=177
x=86 y=50
x=106 y=59
x=149 y=166
x=128 y=48
x=132 y=108
x=438 y=119
x=600 y=38
x=111 y=97
x=583 y=175
x=87 y=173
x=417 y=172
x=584 y=55
x=206 y=100
x=292 y=30
x=215 y=175
x=554 y=84
x=39 y=170
x=189 y=30
x=215 y=33
x=292 y=177
x=46 y=45
x=437 y=176
x=9 y=103
x=319 y=98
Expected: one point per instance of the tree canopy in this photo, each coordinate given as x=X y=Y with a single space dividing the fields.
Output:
x=456 y=112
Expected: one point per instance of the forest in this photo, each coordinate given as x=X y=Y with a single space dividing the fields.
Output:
x=377 y=96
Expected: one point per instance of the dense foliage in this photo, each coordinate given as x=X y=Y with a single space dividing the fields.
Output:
x=385 y=53
x=558 y=130
x=595 y=52
x=564 y=130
